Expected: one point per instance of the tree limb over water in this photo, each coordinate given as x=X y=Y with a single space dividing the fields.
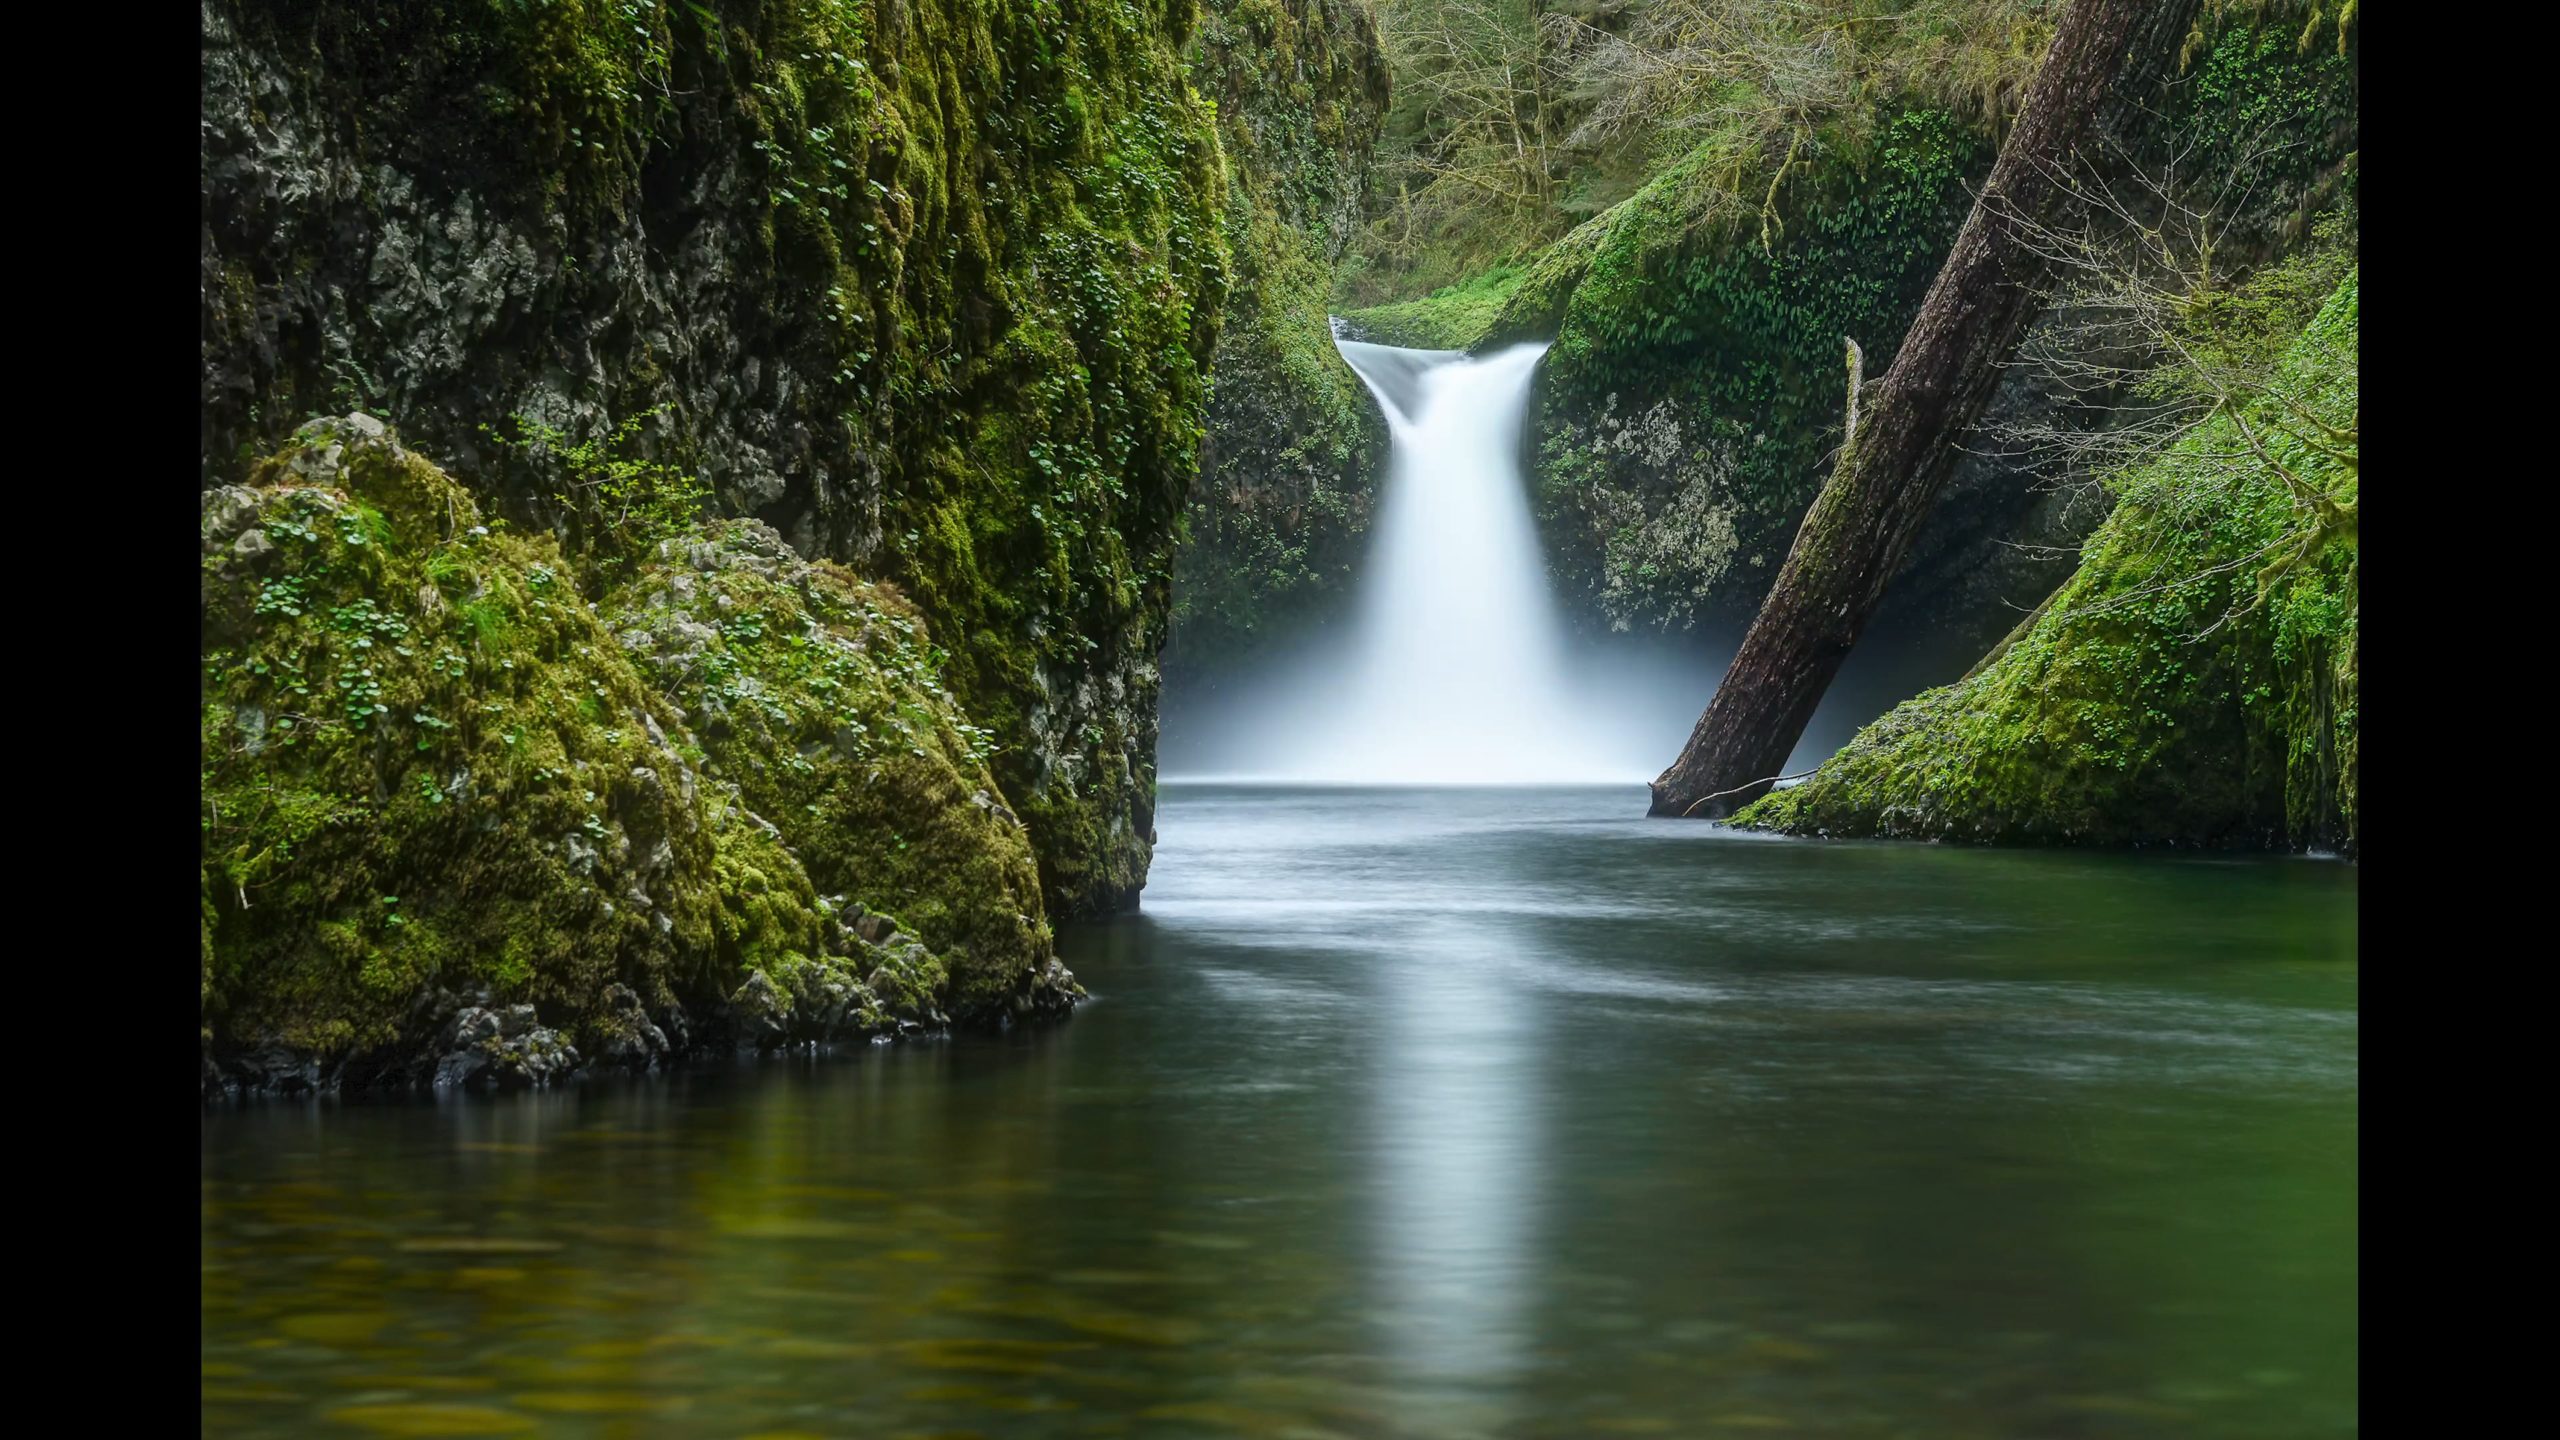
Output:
x=1881 y=488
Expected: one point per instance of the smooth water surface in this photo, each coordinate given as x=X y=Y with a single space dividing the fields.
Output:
x=1404 y=1113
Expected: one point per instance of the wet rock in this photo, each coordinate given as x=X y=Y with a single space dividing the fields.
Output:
x=625 y=1036
x=501 y=1048
x=226 y=512
x=761 y=1013
x=271 y=1068
x=822 y=1007
x=1051 y=994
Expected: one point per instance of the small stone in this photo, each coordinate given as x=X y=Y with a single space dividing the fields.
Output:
x=761 y=1011
x=225 y=513
x=472 y=1027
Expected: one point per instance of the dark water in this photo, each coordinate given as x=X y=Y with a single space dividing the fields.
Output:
x=1405 y=1114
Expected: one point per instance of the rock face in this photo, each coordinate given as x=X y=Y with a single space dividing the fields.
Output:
x=1278 y=519
x=1697 y=376
x=432 y=768
x=930 y=288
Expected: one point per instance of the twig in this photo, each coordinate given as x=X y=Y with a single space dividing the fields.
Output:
x=1738 y=789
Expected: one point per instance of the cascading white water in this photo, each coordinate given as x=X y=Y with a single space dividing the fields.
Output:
x=1457 y=668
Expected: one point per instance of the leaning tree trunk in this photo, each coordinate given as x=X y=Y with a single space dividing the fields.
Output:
x=1894 y=460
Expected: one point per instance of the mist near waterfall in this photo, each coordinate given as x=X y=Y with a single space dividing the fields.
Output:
x=1455 y=668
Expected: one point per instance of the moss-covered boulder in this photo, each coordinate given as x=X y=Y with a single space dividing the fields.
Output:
x=2194 y=683
x=425 y=762
x=821 y=697
x=446 y=811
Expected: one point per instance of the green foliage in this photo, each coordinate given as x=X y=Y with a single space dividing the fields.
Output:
x=1514 y=122
x=1517 y=121
x=1474 y=160
x=612 y=505
x=1454 y=317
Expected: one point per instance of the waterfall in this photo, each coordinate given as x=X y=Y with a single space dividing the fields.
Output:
x=1455 y=667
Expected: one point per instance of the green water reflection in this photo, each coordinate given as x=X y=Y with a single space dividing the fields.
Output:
x=1404 y=1115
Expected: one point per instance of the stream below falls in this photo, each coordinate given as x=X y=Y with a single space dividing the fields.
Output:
x=1403 y=1113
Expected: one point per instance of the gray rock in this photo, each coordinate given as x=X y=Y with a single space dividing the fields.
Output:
x=225 y=513
x=504 y=1048
x=471 y=1028
x=761 y=1013
x=626 y=1036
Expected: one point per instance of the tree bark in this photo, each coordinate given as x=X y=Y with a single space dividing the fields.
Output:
x=1902 y=447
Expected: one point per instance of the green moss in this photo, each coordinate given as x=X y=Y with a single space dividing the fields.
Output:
x=401 y=793
x=821 y=698
x=1455 y=317
x=1694 y=382
x=1276 y=523
x=429 y=765
x=2179 y=689
x=1012 y=222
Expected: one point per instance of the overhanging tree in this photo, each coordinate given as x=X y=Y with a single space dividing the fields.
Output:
x=1895 y=458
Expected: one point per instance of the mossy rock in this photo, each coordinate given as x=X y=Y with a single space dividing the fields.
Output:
x=425 y=762
x=821 y=697
x=1455 y=317
x=430 y=769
